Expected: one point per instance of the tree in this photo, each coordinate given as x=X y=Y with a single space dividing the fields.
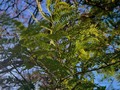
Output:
x=69 y=45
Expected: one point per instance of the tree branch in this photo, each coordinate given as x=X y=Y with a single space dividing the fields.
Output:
x=95 y=69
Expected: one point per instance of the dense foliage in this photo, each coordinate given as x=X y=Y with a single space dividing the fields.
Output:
x=71 y=44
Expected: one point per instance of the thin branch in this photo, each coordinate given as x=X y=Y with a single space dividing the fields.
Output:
x=31 y=21
x=41 y=11
x=9 y=70
x=95 y=69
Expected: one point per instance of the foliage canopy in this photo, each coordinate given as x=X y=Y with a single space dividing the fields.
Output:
x=70 y=46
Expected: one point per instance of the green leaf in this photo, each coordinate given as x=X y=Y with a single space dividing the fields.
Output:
x=55 y=67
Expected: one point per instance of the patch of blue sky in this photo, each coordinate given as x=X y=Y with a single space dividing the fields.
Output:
x=111 y=83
